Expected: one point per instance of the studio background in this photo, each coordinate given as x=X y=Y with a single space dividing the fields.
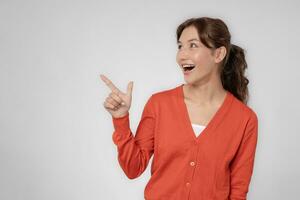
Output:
x=56 y=136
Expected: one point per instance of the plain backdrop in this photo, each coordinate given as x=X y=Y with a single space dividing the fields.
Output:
x=55 y=135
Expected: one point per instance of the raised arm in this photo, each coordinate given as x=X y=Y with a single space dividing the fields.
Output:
x=134 y=152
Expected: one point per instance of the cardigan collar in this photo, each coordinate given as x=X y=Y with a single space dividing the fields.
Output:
x=213 y=123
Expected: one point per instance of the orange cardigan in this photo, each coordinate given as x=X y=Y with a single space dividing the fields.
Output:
x=216 y=165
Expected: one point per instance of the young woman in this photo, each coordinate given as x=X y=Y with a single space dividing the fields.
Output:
x=202 y=134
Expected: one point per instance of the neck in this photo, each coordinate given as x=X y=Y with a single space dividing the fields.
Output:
x=210 y=93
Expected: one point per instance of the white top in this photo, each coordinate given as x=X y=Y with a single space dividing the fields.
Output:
x=198 y=129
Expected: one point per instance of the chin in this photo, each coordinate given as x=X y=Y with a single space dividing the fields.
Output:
x=189 y=82
x=195 y=81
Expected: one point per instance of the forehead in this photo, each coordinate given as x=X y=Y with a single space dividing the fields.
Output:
x=188 y=34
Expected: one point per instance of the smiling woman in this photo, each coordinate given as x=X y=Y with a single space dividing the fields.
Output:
x=202 y=135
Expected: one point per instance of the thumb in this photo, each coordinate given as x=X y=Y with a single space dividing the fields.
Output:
x=129 y=88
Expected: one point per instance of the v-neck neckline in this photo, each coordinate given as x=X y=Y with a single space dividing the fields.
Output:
x=217 y=117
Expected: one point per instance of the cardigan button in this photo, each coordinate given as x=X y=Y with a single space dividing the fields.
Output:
x=192 y=163
x=188 y=184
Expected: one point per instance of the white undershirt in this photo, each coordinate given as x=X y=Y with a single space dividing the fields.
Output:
x=197 y=129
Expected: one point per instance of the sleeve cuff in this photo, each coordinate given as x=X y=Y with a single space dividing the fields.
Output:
x=121 y=124
x=122 y=129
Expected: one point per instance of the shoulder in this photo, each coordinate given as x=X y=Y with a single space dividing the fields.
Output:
x=165 y=95
x=243 y=110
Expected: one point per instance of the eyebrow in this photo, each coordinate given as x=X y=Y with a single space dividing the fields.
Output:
x=188 y=40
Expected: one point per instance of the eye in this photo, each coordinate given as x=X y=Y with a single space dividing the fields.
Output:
x=179 y=46
x=194 y=44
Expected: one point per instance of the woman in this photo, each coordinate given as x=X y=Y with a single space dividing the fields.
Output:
x=202 y=134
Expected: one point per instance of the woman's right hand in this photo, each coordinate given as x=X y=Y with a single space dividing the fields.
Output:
x=117 y=103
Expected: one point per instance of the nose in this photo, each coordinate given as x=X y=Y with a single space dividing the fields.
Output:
x=182 y=55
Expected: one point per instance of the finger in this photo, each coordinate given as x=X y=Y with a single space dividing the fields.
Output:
x=112 y=101
x=116 y=97
x=129 y=88
x=109 y=84
x=109 y=105
x=106 y=105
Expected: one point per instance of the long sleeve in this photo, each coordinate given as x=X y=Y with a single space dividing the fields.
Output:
x=134 y=152
x=243 y=162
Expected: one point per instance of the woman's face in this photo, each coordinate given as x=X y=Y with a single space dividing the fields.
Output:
x=192 y=51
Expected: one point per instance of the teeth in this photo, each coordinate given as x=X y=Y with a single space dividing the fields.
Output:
x=188 y=65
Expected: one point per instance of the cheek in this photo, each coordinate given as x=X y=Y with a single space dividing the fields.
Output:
x=202 y=60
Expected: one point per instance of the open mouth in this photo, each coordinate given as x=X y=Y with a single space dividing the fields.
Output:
x=188 y=68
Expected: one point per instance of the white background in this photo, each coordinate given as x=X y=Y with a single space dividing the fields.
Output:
x=55 y=135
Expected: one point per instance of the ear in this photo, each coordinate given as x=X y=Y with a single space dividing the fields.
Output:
x=220 y=54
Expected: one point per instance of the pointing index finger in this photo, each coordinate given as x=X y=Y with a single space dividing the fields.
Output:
x=110 y=84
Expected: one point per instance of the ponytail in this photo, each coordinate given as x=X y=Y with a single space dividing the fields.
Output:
x=233 y=73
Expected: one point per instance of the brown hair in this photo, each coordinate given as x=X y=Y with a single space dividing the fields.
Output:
x=213 y=33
